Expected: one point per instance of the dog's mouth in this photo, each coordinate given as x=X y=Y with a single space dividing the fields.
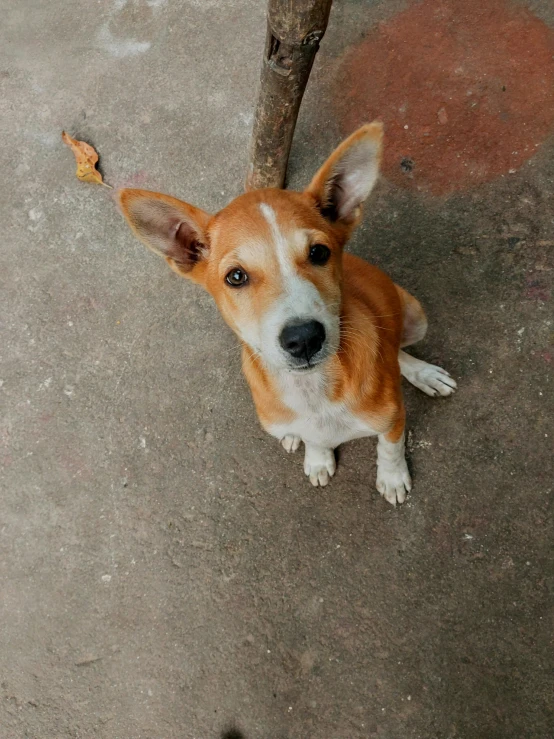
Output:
x=304 y=368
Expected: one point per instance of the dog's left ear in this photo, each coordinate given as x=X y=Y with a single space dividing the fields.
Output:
x=170 y=227
x=348 y=176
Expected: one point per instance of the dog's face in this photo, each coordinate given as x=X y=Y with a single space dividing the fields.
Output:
x=272 y=258
x=275 y=274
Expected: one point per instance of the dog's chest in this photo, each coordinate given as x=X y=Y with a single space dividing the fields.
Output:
x=318 y=420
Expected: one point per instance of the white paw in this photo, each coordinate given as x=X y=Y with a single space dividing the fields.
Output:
x=433 y=380
x=290 y=442
x=319 y=465
x=394 y=483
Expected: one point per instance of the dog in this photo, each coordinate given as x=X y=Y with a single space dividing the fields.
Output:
x=322 y=331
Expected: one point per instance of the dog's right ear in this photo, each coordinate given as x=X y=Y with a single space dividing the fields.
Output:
x=171 y=228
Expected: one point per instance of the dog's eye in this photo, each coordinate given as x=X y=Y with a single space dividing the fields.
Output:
x=319 y=254
x=236 y=277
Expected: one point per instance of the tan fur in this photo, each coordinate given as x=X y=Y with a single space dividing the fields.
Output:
x=364 y=373
x=374 y=317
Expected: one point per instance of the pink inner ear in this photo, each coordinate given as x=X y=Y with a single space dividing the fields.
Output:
x=357 y=173
x=171 y=228
x=186 y=248
x=348 y=176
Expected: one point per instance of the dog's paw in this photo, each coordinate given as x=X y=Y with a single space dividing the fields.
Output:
x=319 y=465
x=433 y=380
x=290 y=442
x=394 y=483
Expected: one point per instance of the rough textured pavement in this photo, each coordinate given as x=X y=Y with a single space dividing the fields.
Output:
x=166 y=571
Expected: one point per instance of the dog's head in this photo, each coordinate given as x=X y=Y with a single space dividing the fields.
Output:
x=271 y=258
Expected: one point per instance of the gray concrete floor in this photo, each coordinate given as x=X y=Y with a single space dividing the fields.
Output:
x=166 y=571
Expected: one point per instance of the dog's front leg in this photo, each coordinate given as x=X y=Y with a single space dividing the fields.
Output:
x=319 y=464
x=393 y=478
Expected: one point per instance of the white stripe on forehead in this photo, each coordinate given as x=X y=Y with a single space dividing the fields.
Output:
x=281 y=246
x=300 y=297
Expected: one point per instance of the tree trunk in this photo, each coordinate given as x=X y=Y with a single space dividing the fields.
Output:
x=294 y=30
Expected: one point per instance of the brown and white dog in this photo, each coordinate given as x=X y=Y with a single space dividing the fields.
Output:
x=321 y=330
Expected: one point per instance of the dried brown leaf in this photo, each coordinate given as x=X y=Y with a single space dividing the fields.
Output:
x=86 y=158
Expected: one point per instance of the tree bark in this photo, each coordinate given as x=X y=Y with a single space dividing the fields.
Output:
x=294 y=30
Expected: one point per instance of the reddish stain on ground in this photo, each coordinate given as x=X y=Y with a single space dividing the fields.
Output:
x=537 y=289
x=465 y=88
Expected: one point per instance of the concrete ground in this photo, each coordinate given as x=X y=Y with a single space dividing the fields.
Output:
x=166 y=571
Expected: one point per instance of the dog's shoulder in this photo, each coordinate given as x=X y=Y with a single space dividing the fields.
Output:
x=368 y=283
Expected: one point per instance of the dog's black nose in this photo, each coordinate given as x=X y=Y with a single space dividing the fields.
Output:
x=303 y=340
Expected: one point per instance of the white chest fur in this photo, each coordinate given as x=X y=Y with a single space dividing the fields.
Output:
x=318 y=420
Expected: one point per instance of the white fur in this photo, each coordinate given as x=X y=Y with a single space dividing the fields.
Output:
x=300 y=300
x=359 y=168
x=282 y=249
x=319 y=465
x=393 y=478
x=319 y=421
x=429 y=378
x=290 y=442
x=323 y=425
